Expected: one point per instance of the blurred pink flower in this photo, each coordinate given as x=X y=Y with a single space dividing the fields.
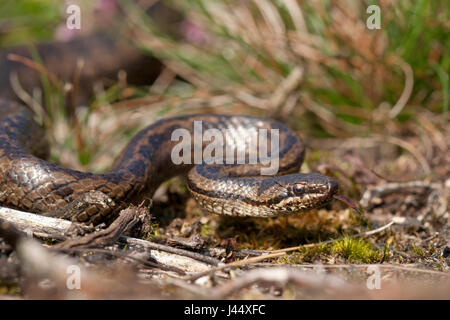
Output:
x=193 y=33
x=106 y=9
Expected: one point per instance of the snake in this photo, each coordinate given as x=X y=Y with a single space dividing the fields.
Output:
x=30 y=183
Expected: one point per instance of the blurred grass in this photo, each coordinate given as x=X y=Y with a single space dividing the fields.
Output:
x=28 y=21
x=256 y=44
x=355 y=78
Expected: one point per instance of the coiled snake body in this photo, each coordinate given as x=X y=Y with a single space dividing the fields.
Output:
x=29 y=183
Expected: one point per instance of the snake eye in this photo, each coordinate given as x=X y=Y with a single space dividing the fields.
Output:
x=298 y=189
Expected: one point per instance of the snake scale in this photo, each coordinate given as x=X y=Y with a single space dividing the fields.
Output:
x=29 y=183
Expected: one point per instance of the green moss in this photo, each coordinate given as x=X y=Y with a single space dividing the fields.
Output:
x=154 y=233
x=357 y=250
x=8 y=289
x=353 y=250
x=418 y=251
x=206 y=230
x=314 y=253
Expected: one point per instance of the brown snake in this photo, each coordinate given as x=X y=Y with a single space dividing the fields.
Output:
x=29 y=183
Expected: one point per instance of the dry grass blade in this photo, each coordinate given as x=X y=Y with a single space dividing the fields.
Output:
x=36 y=66
x=297 y=15
x=272 y=16
x=409 y=84
x=410 y=148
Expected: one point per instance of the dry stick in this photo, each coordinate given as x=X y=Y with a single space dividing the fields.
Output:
x=49 y=225
x=127 y=219
x=40 y=263
x=181 y=252
x=32 y=222
x=45 y=236
x=281 y=252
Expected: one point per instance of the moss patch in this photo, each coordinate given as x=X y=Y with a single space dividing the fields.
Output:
x=357 y=250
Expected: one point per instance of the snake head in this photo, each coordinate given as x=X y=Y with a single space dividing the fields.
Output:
x=297 y=192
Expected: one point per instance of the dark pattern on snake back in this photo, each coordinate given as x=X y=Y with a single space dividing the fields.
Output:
x=29 y=183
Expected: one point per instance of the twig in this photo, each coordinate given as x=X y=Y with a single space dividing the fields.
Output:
x=281 y=252
x=368 y=233
x=151 y=245
x=39 y=263
x=26 y=221
x=34 y=223
x=127 y=219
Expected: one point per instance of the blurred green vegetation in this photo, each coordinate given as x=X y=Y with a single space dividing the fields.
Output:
x=257 y=44
x=28 y=21
x=356 y=80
